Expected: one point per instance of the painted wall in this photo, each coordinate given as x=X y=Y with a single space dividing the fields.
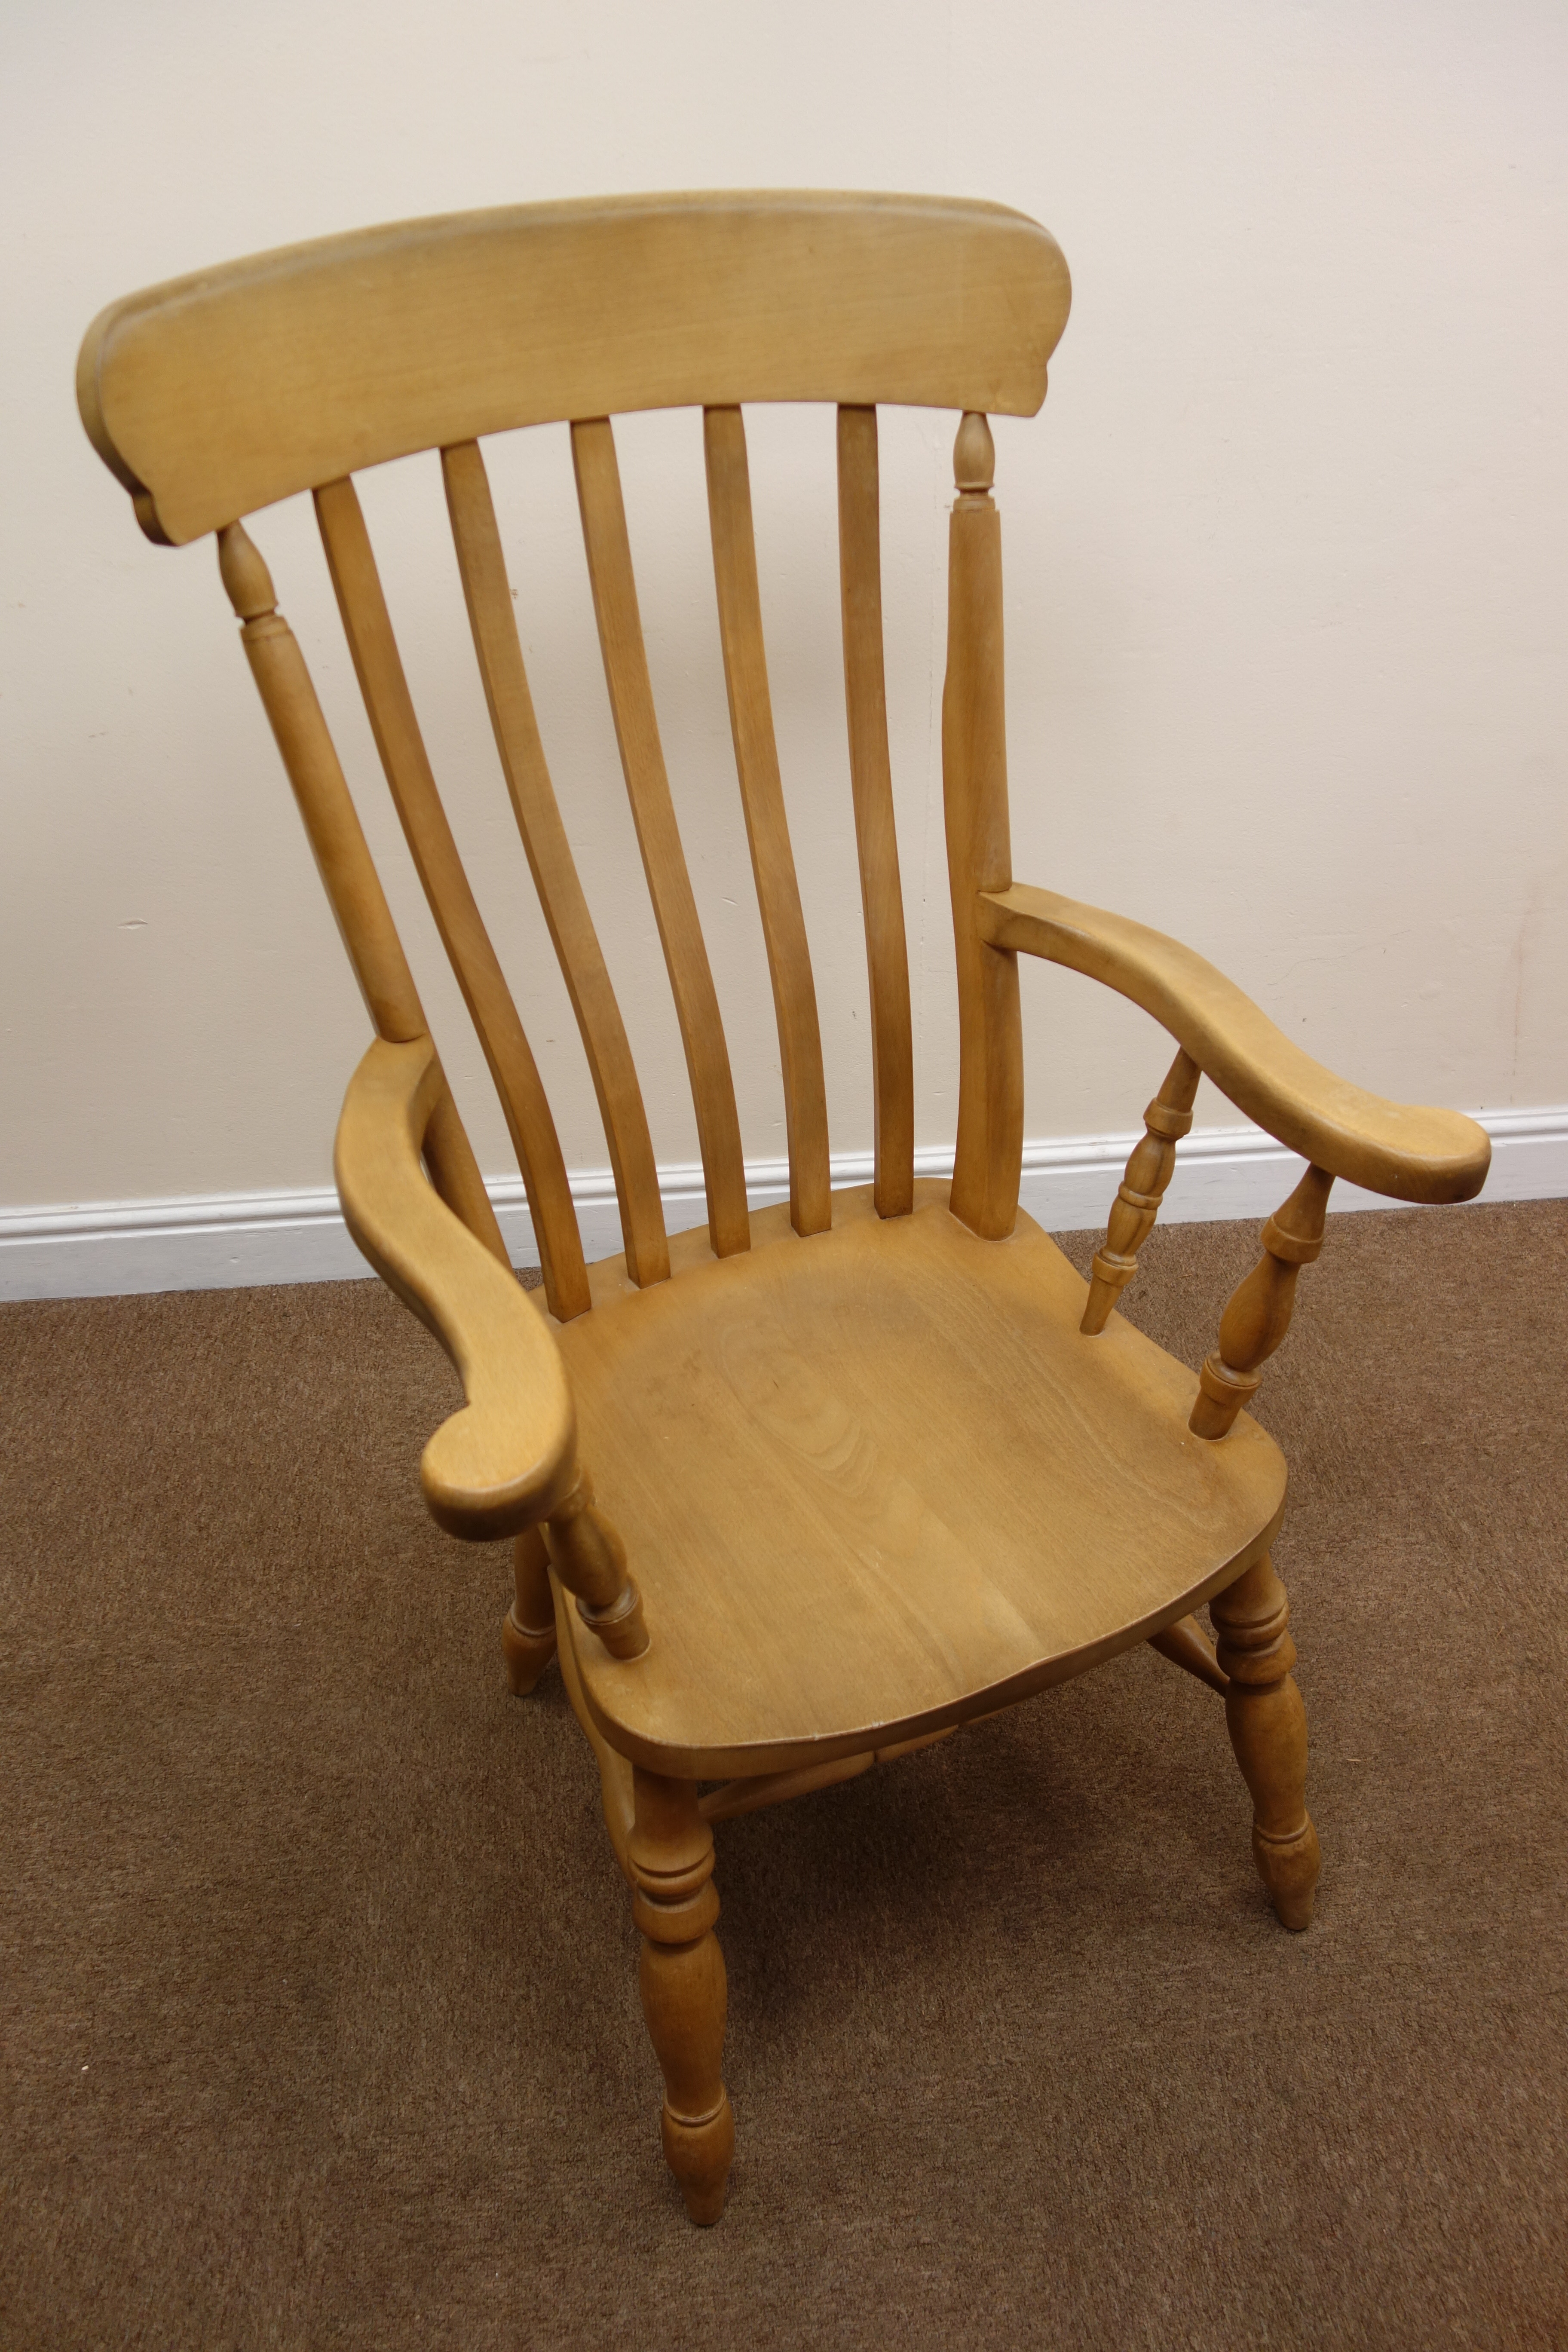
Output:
x=1286 y=553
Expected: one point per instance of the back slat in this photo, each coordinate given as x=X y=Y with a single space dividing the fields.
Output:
x=767 y=830
x=344 y=863
x=871 y=771
x=486 y=587
x=390 y=708
x=648 y=788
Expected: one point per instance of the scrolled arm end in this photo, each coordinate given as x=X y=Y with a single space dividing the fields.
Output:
x=509 y=1455
x=1405 y=1151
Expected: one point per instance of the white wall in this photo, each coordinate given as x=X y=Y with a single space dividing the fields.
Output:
x=1286 y=551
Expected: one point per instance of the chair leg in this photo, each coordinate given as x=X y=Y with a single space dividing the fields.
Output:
x=1267 y=1724
x=528 y=1629
x=675 y=1904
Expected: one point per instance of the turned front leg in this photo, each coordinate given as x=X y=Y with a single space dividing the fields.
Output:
x=528 y=1629
x=681 y=1975
x=1267 y=1726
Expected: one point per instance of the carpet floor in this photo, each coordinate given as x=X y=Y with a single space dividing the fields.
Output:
x=319 y=2014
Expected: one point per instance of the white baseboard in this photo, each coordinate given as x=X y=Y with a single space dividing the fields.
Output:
x=232 y=1240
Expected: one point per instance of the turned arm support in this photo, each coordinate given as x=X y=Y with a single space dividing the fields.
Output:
x=508 y=1459
x=1397 y=1149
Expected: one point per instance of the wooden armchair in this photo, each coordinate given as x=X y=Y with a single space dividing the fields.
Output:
x=866 y=1467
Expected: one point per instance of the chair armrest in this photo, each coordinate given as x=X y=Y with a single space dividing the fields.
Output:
x=1397 y=1148
x=508 y=1455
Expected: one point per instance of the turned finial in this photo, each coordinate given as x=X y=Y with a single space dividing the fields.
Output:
x=244 y=576
x=973 y=455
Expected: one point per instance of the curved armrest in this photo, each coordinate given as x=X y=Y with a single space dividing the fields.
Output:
x=508 y=1455
x=1409 y=1153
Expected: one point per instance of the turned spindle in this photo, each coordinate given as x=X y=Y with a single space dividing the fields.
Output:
x=1142 y=1188
x=528 y=1629
x=669 y=1859
x=1267 y=1726
x=1258 y=1314
x=590 y=1558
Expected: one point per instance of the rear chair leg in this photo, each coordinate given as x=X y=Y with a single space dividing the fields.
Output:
x=1267 y=1724
x=528 y=1629
x=675 y=1904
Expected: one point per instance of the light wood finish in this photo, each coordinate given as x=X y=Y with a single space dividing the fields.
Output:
x=508 y=1456
x=344 y=863
x=763 y=1789
x=990 y=1151
x=653 y=813
x=1267 y=1726
x=881 y=1467
x=1258 y=1314
x=528 y=1630
x=1188 y=1646
x=489 y=595
x=589 y=1557
x=1149 y=1170
x=863 y=1481
x=751 y=1796
x=215 y=394
x=614 y=1769
x=389 y=706
x=681 y=1977
x=1408 y=1153
x=871 y=777
x=767 y=828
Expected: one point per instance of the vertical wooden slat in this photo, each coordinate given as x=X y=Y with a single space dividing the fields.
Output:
x=489 y=596
x=875 y=838
x=659 y=837
x=390 y=708
x=344 y=863
x=989 y=1158
x=762 y=795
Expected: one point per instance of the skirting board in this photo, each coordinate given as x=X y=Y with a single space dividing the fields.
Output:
x=230 y=1241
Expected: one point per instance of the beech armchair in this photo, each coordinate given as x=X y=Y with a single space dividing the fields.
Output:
x=798 y=1492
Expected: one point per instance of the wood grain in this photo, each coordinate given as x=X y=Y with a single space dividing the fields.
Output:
x=1150 y=1168
x=875 y=838
x=346 y=867
x=1258 y=1315
x=669 y=1855
x=1267 y=1726
x=215 y=394
x=767 y=828
x=389 y=706
x=659 y=838
x=882 y=1468
x=1408 y=1153
x=488 y=592
x=508 y=1457
x=989 y=1154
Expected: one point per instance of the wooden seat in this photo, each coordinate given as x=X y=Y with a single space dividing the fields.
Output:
x=793 y=1494
x=873 y=1486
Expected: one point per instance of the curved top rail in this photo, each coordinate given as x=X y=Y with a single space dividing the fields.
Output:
x=215 y=394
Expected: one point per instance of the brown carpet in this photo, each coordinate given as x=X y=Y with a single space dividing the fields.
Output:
x=320 y=2018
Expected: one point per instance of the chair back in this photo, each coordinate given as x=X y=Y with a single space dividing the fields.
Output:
x=217 y=394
